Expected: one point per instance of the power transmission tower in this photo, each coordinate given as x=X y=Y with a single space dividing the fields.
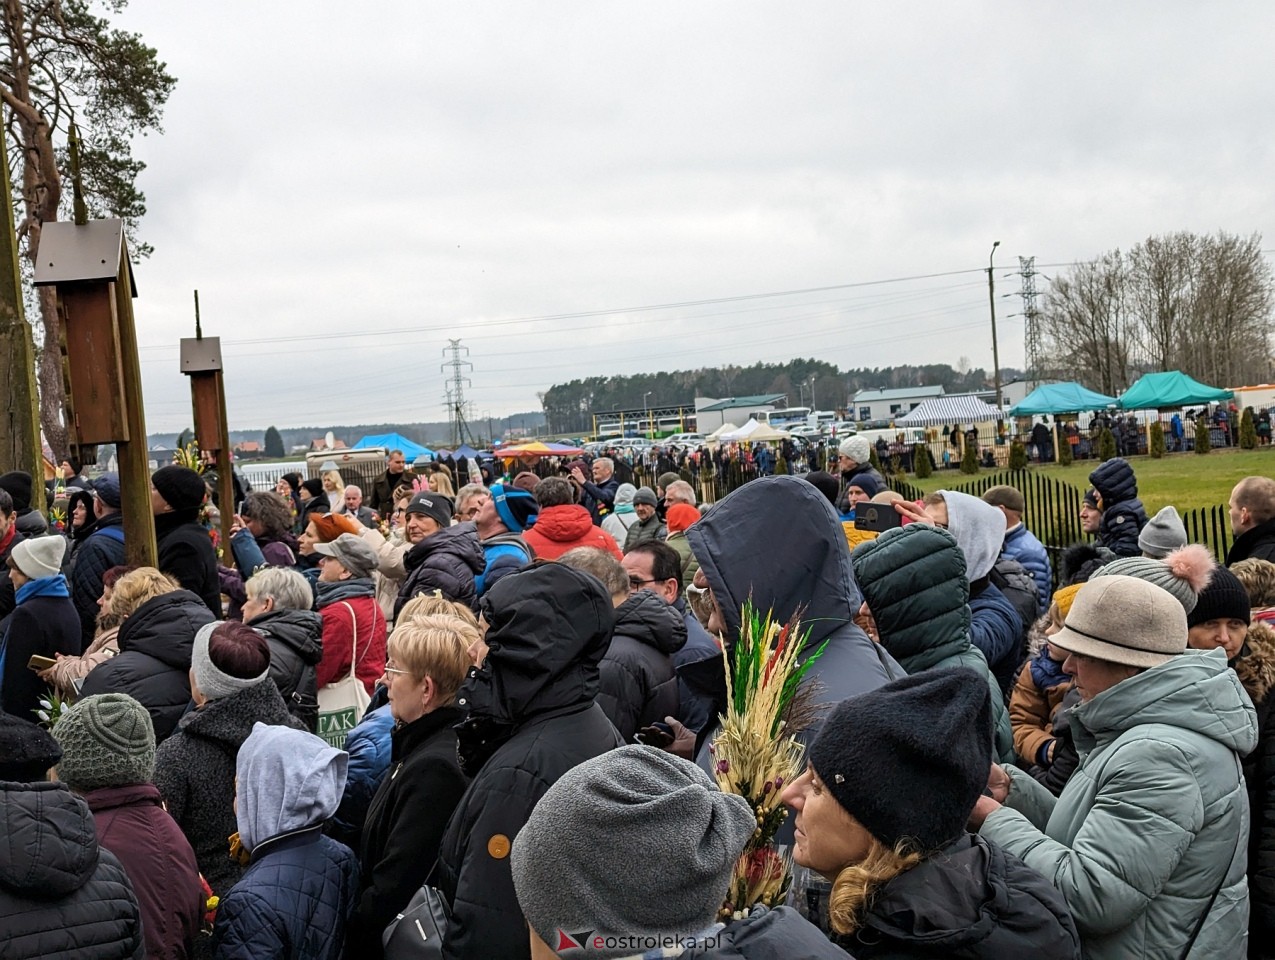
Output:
x=456 y=389
x=1031 y=317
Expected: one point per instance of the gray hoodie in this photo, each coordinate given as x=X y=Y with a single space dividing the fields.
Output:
x=289 y=780
x=979 y=529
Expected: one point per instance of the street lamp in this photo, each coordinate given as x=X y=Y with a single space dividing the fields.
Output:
x=991 y=299
x=650 y=427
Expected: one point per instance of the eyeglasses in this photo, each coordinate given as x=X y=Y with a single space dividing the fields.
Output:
x=636 y=583
x=393 y=669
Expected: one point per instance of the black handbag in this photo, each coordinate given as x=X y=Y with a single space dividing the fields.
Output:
x=417 y=932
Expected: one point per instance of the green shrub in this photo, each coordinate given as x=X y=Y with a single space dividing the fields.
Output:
x=874 y=459
x=1017 y=455
x=1156 y=447
x=1248 y=430
x=922 y=462
x=1064 y=451
x=969 y=462
x=1203 y=440
x=1106 y=445
x=896 y=467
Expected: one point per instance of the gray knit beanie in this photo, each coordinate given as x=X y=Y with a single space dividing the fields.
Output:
x=214 y=682
x=635 y=842
x=107 y=741
x=1163 y=534
x=1184 y=573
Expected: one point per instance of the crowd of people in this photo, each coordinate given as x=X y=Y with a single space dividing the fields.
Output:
x=484 y=712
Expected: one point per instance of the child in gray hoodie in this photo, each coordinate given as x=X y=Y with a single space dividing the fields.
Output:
x=294 y=899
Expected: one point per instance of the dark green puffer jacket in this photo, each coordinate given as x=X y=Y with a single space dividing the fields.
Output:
x=913 y=580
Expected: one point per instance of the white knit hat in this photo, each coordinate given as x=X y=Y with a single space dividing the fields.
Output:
x=39 y=556
x=856 y=448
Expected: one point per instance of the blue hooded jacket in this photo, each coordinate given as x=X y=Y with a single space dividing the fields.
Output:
x=299 y=889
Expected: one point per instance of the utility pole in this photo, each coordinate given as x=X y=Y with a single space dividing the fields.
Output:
x=1031 y=318
x=456 y=389
x=20 y=447
x=991 y=300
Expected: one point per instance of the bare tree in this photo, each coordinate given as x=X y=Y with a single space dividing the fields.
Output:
x=1200 y=304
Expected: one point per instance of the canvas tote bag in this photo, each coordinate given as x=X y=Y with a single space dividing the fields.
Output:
x=342 y=704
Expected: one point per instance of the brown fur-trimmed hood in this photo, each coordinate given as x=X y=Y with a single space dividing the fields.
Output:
x=1256 y=669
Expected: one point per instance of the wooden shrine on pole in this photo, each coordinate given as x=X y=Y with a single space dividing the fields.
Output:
x=87 y=262
x=201 y=361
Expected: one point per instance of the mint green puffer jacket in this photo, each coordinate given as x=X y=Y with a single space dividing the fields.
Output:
x=1154 y=820
x=913 y=580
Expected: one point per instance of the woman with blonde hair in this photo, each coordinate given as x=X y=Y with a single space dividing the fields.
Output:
x=159 y=621
x=440 y=481
x=334 y=487
x=64 y=674
x=881 y=812
x=428 y=661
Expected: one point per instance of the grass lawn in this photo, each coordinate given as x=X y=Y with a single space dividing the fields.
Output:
x=1185 y=480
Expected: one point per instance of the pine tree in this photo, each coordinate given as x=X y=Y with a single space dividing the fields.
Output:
x=1017 y=455
x=1106 y=445
x=969 y=462
x=1064 y=451
x=1157 y=440
x=1203 y=439
x=273 y=444
x=1248 y=430
x=922 y=463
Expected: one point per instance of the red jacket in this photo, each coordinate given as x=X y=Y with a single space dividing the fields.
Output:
x=563 y=528
x=159 y=862
x=338 y=641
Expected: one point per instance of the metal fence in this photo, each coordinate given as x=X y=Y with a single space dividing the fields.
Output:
x=1210 y=526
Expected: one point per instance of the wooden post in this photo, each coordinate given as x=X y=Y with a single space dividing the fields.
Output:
x=20 y=447
x=1057 y=459
x=201 y=361
x=88 y=264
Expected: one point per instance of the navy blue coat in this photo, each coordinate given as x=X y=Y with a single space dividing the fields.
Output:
x=997 y=630
x=369 y=746
x=1123 y=515
x=94 y=555
x=292 y=902
x=45 y=626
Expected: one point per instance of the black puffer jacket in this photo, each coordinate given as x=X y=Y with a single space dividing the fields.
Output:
x=44 y=626
x=637 y=684
x=95 y=553
x=446 y=561
x=532 y=718
x=61 y=895
x=1123 y=515
x=296 y=646
x=405 y=824
x=973 y=901
x=778 y=540
x=153 y=665
x=195 y=772
x=186 y=554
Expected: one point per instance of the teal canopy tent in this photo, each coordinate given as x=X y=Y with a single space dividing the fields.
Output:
x=1060 y=398
x=1169 y=390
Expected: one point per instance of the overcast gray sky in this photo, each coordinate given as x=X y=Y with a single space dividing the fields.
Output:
x=349 y=185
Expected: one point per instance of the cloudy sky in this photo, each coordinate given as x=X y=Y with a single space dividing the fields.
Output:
x=593 y=188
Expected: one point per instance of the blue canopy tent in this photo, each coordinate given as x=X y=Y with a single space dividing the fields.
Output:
x=1168 y=391
x=394 y=441
x=1060 y=398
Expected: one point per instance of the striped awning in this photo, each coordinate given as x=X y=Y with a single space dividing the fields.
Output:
x=941 y=411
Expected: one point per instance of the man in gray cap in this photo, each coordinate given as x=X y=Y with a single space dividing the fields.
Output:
x=678 y=837
x=649 y=525
x=101 y=548
x=854 y=458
